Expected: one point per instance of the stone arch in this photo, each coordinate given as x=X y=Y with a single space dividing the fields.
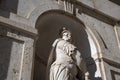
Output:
x=47 y=34
x=100 y=47
x=39 y=10
x=95 y=53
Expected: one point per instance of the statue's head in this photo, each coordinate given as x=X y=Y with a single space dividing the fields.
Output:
x=65 y=33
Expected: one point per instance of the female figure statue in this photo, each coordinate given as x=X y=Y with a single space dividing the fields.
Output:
x=64 y=61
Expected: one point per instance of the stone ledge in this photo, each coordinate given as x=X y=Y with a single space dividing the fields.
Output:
x=108 y=8
x=91 y=11
x=18 y=26
x=113 y=60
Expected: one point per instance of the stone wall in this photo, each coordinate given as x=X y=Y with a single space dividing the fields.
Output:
x=16 y=48
x=18 y=33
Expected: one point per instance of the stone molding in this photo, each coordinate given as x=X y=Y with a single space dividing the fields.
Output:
x=24 y=46
x=18 y=26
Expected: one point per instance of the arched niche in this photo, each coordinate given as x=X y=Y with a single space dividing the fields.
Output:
x=95 y=49
x=48 y=26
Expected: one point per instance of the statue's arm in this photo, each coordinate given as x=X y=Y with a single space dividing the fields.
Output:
x=78 y=58
x=52 y=55
x=50 y=61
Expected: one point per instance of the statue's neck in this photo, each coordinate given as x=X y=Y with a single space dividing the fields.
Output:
x=65 y=38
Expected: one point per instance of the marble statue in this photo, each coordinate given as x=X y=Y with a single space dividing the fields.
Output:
x=64 y=60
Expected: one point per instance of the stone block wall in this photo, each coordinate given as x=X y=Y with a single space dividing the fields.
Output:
x=16 y=51
x=18 y=34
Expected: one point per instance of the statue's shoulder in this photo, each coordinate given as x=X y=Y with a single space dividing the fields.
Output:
x=56 y=41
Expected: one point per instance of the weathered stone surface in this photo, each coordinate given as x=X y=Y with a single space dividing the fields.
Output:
x=17 y=55
x=117 y=31
x=106 y=32
x=30 y=17
x=17 y=33
x=18 y=26
x=112 y=71
x=10 y=58
x=108 y=7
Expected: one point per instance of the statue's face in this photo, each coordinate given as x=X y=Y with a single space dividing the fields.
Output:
x=67 y=35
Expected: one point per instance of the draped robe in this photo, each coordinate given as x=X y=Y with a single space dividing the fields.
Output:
x=64 y=61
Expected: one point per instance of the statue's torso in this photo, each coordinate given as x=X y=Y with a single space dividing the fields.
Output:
x=63 y=55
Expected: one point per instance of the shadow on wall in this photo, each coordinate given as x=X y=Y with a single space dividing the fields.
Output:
x=91 y=68
x=48 y=26
x=5 y=53
x=7 y=6
x=116 y=2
